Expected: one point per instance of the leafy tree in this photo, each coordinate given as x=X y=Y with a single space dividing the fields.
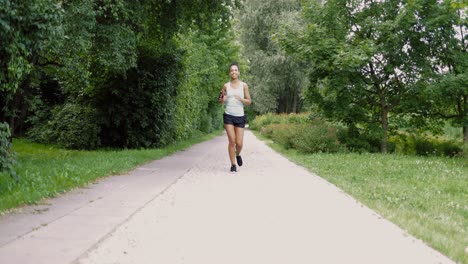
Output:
x=117 y=61
x=24 y=34
x=277 y=79
x=448 y=40
x=206 y=59
x=27 y=30
x=367 y=59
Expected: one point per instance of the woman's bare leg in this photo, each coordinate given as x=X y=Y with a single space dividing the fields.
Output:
x=231 y=133
x=239 y=131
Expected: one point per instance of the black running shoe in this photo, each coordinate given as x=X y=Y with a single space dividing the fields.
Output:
x=239 y=160
x=233 y=168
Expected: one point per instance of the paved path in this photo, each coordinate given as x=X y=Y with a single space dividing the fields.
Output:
x=187 y=208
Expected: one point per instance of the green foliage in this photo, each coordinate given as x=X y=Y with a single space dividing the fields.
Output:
x=74 y=55
x=143 y=72
x=115 y=36
x=370 y=62
x=26 y=29
x=7 y=157
x=426 y=146
x=362 y=140
x=446 y=96
x=315 y=138
x=138 y=108
x=280 y=133
x=71 y=126
x=276 y=79
x=269 y=118
x=206 y=59
x=299 y=132
x=311 y=135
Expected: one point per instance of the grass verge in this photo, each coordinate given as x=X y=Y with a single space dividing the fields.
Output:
x=45 y=171
x=426 y=196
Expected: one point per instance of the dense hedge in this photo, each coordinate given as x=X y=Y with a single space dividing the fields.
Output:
x=137 y=108
x=117 y=73
x=299 y=131
x=311 y=135
x=307 y=138
x=70 y=126
x=425 y=146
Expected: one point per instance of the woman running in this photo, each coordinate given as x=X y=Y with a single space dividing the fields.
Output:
x=235 y=94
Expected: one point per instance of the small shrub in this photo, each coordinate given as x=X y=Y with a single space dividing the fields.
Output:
x=307 y=138
x=261 y=121
x=425 y=146
x=264 y=120
x=71 y=126
x=318 y=137
x=403 y=144
x=359 y=140
x=280 y=133
x=450 y=149
x=302 y=118
x=353 y=143
x=267 y=130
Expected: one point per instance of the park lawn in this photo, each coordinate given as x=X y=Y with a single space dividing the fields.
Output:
x=46 y=171
x=426 y=196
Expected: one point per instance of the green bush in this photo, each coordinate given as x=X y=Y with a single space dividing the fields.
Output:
x=71 y=126
x=299 y=131
x=353 y=142
x=7 y=157
x=308 y=138
x=434 y=147
x=403 y=144
x=450 y=149
x=318 y=137
x=263 y=120
x=362 y=140
x=138 y=108
x=283 y=134
x=425 y=146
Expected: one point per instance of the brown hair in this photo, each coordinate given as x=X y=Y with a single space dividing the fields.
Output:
x=234 y=64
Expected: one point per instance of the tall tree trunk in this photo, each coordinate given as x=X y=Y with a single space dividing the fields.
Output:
x=383 y=145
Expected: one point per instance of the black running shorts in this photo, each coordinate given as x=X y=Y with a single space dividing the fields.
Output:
x=237 y=121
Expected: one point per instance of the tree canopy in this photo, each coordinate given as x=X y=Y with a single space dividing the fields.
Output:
x=370 y=60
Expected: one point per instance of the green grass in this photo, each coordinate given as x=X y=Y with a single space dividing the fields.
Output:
x=46 y=171
x=427 y=196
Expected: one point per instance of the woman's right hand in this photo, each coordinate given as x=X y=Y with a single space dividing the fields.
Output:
x=221 y=96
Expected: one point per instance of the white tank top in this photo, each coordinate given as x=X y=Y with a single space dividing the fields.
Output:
x=234 y=107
